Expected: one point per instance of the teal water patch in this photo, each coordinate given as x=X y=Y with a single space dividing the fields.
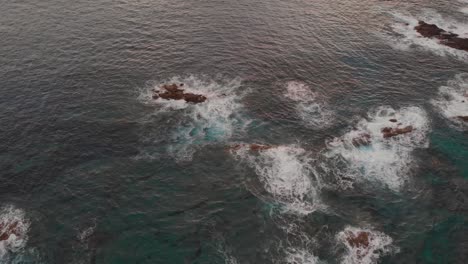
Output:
x=454 y=146
x=440 y=242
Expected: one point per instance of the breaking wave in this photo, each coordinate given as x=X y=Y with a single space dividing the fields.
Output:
x=375 y=245
x=452 y=100
x=409 y=37
x=13 y=232
x=287 y=175
x=214 y=120
x=364 y=154
x=300 y=256
x=309 y=106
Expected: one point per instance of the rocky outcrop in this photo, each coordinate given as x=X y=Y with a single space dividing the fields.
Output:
x=445 y=38
x=8 y=229
x=363 y=139
x=358 y=240
x=463 y=118
x=174 y=92
x=389 y=132
x=252 y=147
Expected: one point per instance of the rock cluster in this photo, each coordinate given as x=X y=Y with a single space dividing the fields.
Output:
x=174 y=92
x=389 y=132
x=252 y=147
x=359 y=240
x=446 y=38
x=8 y=229
x=363 y=139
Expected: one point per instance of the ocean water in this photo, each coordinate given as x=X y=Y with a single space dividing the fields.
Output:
x=93 y=170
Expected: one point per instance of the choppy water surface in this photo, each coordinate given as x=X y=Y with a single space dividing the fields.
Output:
x=93 y=170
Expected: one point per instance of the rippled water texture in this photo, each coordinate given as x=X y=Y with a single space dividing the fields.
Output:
x=285 y=162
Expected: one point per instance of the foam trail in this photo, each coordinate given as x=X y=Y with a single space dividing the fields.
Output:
x=214 y=120
x=287 y=176
x=300 y=256
x=367 y=250
x=409 y=37
x=368 y=156
x=452 y=100
x=309 y=107
x=13 y=230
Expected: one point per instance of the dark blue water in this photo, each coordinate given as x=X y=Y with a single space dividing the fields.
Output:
x=93 y=170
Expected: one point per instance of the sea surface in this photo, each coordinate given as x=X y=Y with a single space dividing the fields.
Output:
x=93 y=170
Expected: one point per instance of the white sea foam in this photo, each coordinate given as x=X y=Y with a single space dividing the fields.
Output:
x=14 y=226
x=300 y=256
x=216 y=119
x=383 y=160
x=379 y=245
x=287 y=175
x=309 y=106
x=452 y=101
x=464 y=10
x=409 y=37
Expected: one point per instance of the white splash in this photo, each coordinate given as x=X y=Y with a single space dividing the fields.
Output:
x=409 y=37
x=371 y=157
x=13 y=231
x=214 y=120
x=310 y=107
x=379 y=244
x=452 y=101
x=464 y=10
x=300 y=256
x=86 y=233
x=287 y=175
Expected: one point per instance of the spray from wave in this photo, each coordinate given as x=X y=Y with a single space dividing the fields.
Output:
x=13 y=232
x=287 y=175
x=214 y=120
x=309 y=106
x=364 y=153
x=364 y=246
x=452 y=100
x=409 y=37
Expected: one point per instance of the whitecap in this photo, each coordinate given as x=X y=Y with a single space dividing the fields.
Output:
x=368 y=156
x=452 y=100
x=309 y=105
x=379 y=244
x=409 y=37
x=13 y=230
x=287 y=175
x=300 y=256
x=214 y=120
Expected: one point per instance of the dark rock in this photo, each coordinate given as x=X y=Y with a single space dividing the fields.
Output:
x=359 y=240
x=463 y=118
x=194 y=98
x=445 y=38
x=252 y=147
x=8 y=229
x=389 y=132
x=173 y=92
x=393 y=120
x=363 y=139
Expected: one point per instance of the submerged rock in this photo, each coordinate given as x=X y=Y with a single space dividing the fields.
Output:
x=174 y=92
x=8 y=229
x=389 y=132
x=358 y=240
x=252 y=147
x=446 y=38
x=363 y=139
